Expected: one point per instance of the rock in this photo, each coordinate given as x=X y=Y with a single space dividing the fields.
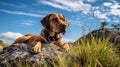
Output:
x=104 y=33
x=114 y=35
x=24 y=53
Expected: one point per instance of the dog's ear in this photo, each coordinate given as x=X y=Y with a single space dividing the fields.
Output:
x=45 y=21
x=63 y=16
x=65 y=19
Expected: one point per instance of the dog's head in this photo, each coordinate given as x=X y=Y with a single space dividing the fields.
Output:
x=55 y=22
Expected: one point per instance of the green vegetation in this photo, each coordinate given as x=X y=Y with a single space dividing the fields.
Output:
x=2 y=45
x=92 y=53
x=95 y=53
x=116 y=26
x=85 y=53
x=103 y=24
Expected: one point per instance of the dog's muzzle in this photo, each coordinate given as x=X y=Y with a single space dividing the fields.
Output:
x=63 y=28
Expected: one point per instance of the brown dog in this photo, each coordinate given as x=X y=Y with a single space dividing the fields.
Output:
x=54 y=24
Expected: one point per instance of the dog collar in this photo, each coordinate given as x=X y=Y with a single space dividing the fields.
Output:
x=50 y=38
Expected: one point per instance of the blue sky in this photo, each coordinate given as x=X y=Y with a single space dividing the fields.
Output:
x=20 y=17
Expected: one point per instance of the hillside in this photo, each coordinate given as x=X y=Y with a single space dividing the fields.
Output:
x=103 y=34
x=2 y=44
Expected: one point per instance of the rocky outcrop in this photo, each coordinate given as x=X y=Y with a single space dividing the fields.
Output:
x=114 y=35
x=104 y=33
x=24 y=53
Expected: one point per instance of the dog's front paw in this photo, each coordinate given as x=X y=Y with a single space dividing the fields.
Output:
x=66 y=47
x=37 y=48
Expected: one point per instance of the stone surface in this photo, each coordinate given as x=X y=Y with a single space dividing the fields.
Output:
x=24 y=53
x=114 y=35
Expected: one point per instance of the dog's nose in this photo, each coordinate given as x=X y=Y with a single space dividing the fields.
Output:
x=63 y=25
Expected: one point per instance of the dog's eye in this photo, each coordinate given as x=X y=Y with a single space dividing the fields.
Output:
x=55 y=19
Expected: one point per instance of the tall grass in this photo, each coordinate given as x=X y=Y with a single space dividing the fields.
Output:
x=90 y=53
x=94 y=53
x=85 y=53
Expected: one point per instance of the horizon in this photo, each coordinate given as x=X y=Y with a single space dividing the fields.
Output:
x=20 y=17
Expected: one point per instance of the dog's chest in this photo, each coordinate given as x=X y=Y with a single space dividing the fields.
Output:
x=51 y=39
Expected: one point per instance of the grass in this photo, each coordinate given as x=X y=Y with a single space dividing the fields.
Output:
x=85 y=53
x=2 y=45
x=95 y=53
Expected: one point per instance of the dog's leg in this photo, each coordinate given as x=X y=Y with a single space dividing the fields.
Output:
x=22 y=39
x=19 y=40
x=64 y=46
x=37 y=47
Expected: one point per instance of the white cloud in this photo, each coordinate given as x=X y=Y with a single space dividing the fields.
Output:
x=115 y=12
x=100 y=15
x=107 y=4
x=13 y=5
x=67 y=40
x=21 y=13
x=92 y=1
x=116 y=4
x=108 y=11
x=55 y=5
x=28 y=22
x=9 y=37
x=114 y=7
x=69 y=5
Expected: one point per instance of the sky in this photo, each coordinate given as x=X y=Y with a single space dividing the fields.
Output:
x=20 y=17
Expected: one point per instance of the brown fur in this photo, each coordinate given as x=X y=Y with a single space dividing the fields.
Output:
x=54 y=24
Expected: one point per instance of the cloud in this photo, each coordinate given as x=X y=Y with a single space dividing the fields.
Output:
x=108 y=10
x=9 y=37
x=28 y=22
x=55 y=5
x=115 y=12
x=92 y=1
x=21 y=13
x=69 y=5
x=107 y=4
x=100 y=15
x=114 y=7
x=13 y=5
x=67 y=40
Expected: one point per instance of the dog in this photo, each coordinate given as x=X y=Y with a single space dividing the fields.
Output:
x=54 y=25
